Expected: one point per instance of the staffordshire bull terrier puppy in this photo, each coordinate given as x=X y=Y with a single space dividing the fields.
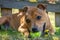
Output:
x=34 y=19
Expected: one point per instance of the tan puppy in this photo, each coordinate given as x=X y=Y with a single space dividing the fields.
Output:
x=34 y=17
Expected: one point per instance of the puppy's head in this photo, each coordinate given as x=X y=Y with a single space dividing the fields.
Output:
x=32 y=18
x=36 y=16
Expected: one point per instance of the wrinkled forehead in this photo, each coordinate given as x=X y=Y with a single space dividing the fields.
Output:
x=32 y=9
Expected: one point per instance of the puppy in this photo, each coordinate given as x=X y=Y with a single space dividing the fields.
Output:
x=35 y=18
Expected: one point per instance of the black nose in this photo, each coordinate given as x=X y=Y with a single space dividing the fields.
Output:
x=34 y=30
x=28 y=20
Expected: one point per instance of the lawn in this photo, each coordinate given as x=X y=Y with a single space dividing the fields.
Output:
x=14 y=35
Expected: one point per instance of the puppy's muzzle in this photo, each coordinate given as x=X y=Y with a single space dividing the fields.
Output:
x=36 y=28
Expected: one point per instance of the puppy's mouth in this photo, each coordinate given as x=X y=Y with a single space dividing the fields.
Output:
x=36 y=28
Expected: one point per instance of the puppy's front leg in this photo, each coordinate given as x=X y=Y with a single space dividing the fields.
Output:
x=23 y=30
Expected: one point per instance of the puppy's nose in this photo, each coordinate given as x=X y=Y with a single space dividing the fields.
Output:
x=28 y=20
x=35 y=30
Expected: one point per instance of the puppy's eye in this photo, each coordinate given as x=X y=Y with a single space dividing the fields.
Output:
x=38 y=17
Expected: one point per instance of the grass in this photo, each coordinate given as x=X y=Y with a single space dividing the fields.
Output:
x=14 y=35
x=10 y=35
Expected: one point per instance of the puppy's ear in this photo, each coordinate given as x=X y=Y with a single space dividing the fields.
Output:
x=41 y=6
x=25 y=9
